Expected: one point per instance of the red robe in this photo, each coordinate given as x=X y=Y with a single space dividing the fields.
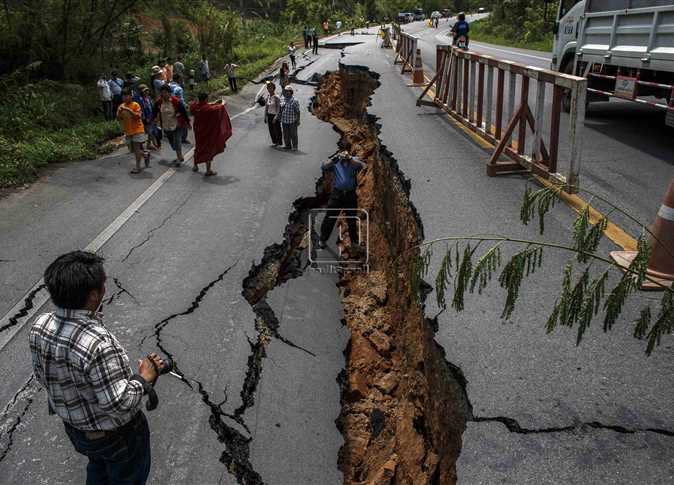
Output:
x=212 y=129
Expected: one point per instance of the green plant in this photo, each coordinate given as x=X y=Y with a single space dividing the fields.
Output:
x=585 y=291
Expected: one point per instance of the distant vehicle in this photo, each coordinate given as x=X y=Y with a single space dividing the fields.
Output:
x=481 y=10
x=402 y=18
x=636 y=62
x=419 y=14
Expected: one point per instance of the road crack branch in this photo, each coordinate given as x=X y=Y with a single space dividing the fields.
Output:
x=159 y=326
x=27 y=305
x=120 y=291
x=514 y=427
x=27 y=392
x=151 y=232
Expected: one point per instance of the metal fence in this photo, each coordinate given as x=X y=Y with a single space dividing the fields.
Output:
x=470 y=87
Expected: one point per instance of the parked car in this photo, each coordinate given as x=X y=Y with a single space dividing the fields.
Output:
x=481 y=10
x=402 y=18
x=419 y=14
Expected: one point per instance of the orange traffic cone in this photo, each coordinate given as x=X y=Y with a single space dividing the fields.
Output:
x=418 y=72
x=661 y=261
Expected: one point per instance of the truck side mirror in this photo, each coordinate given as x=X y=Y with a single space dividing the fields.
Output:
x=555 y=28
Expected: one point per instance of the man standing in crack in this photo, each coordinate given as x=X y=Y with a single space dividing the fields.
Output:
x=87 y=376
x=343 y=197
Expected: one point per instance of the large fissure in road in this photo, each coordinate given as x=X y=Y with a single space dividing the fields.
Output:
x=404 y=407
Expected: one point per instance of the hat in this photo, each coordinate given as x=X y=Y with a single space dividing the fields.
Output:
x=142 y=88
x=156 y=69
x=288 y=88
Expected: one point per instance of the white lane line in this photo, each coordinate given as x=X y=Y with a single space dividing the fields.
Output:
x=511 y=52
x=104 y=236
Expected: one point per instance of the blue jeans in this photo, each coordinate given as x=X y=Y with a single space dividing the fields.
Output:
x=122 y=458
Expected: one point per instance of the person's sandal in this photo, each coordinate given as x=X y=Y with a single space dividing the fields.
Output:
x=210 y=173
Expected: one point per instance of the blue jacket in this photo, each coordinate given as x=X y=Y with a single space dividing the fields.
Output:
x=461 y=28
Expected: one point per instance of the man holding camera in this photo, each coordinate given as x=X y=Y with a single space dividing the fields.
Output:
x=343 y=198
x=87 y=376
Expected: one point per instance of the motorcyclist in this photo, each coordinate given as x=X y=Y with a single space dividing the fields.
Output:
x=460 y=28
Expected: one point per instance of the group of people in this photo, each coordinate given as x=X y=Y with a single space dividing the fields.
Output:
x=148 y=114
x=310 y=38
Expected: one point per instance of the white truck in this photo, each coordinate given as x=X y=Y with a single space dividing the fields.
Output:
x=625 y=49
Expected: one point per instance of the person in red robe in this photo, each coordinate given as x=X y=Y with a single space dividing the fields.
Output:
x=212 y=129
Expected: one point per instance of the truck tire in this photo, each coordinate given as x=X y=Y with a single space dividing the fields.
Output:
x=566 y=97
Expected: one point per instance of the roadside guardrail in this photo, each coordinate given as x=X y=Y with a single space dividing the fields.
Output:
x=470 y=87
x=406 y=51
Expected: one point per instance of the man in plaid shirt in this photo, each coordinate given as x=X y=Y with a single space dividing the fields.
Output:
x=289 y=114
x=87 y=375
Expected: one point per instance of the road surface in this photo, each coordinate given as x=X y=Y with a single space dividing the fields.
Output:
x=181 y=258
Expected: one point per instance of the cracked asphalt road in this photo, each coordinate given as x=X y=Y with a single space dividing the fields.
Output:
x=192 y=230
x=175 y=273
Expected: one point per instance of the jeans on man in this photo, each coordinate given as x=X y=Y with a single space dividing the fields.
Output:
x=123 y=458
x=341 y=199
x=107 y=110
x=175 y=138
x=116 y=101
x=315 y=42
x=232 y=83
x=290 y=135
x=274 y=130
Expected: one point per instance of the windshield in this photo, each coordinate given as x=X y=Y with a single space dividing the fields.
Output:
x=565 y=6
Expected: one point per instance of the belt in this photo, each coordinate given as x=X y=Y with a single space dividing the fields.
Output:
x=97 y=435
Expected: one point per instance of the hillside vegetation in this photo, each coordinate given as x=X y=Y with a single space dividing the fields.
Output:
x=517 y=23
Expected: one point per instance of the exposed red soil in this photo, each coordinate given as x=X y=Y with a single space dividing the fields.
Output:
x=402 y=415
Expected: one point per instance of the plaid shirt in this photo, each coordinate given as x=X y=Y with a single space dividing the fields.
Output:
x=84 y=369
x=290 y=110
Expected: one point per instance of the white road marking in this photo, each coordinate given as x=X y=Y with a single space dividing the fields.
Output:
x=444 y=40
x=104 y=236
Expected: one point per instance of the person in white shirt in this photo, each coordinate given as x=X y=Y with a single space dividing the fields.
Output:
x=204 y=70
x=230 y=70
x=105 y=96
x=271 y=111
x=291 y=54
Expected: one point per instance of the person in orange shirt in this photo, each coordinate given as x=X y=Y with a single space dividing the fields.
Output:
x=130 y=117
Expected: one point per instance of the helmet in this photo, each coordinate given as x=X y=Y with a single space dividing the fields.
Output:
x=461 y=16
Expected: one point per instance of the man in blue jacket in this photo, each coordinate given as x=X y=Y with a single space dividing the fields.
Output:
x=460 y=28
x=343 y=196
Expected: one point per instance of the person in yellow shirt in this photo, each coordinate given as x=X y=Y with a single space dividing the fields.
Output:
x=130 y=117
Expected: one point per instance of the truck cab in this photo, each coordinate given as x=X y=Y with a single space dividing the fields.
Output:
x=566 y=30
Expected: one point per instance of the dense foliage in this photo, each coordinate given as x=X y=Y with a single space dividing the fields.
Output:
x=518 y=23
